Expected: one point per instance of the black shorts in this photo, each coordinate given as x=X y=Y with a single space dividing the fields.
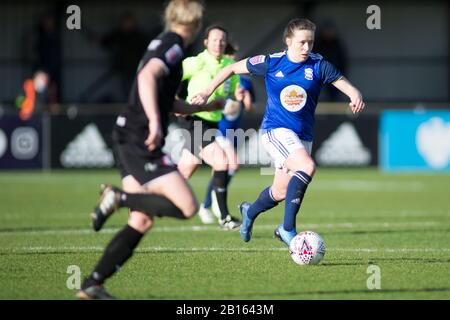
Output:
x=199 y=134
x=142 y=164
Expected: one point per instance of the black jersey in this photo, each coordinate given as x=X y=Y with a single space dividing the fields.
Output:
x=132 y=124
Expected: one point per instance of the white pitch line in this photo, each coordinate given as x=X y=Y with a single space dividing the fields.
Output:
x=84 y=249
x=202 y=228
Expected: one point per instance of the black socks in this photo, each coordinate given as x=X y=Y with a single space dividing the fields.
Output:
x=220 y=179
x=118 y=251
x=151 y=204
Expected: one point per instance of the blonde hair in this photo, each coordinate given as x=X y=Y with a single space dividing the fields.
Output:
x=298 y=24
x=184 y=12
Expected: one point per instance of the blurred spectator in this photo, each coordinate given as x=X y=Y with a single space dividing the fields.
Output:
x=48 y=54
x=329 y=45
x=34 y=98
x=126 y=44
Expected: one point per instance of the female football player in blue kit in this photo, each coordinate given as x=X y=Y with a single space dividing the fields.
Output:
x=293 y=80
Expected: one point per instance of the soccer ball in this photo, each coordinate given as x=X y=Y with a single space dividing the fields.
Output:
x=307 y=247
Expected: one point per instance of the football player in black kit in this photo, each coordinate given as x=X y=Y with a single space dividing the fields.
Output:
x=149 y=179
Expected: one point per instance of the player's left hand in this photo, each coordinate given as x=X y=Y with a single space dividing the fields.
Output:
x=357 y=104
x=154 y=137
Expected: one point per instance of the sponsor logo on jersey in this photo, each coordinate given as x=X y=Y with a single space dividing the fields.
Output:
x=257 y=59
x=293 y=98
x=279 y=74
x=174 y=54
x=309 y=74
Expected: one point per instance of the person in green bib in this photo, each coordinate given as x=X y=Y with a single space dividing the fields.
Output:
x=200 y=144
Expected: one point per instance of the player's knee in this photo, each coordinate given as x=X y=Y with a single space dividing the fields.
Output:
x=279 y=194
x=309 y=167
x=190 y=209
x=187 y=169
x=140 y=221
x=185 y=173
x=220 y=164
x=187 y=164
x=233 y=167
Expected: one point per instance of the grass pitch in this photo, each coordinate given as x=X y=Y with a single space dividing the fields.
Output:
x=399 y=222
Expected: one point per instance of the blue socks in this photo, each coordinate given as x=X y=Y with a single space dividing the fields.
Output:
x=208 y=200
x=264 y=202
x=294 y=196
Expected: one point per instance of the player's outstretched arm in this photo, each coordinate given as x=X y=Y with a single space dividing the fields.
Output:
x=356 y=99
x=239 y=67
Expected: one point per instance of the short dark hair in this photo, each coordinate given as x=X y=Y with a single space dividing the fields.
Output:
x=215 y=27
x=298 y=24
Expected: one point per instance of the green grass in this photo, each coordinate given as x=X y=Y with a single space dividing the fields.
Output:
x=400 y=222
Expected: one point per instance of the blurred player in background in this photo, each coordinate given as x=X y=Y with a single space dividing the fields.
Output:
x=293 y=79
x=152 y=186
x=199 y=71
x=231 y=120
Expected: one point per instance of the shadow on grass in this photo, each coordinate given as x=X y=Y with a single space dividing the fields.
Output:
x=44 y=229
x=375 y=260
x=384 y=231
x=410 y=259
x=273 y=295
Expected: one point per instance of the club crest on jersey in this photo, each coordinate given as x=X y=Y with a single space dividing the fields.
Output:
x=309 y=74
x=293 y=98
x=174 y=54
x=257 y=59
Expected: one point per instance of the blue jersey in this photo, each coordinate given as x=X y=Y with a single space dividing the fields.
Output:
x=231 y=121
x=292 y=90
